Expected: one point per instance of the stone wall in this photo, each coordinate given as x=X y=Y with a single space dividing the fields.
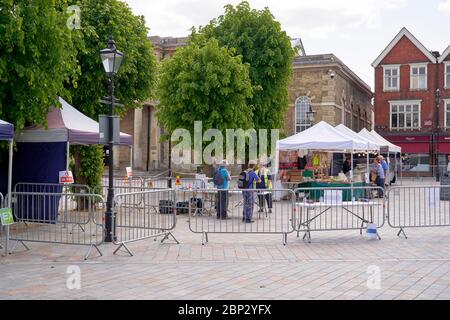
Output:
x=329 y=97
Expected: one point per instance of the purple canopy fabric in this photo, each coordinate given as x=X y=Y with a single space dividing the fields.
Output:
x=68 y=124
x=6 y=130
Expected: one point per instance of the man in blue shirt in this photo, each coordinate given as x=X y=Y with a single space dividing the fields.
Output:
x=385 y=166
x=249 y=196
x=380 y=176
x=222 y=198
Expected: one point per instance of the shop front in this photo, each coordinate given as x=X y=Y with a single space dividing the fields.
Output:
x=418 y=151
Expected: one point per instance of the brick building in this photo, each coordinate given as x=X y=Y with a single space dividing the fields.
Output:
x=321 y=83
x=407 y=79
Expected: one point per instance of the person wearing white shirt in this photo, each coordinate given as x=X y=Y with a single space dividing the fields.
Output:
x=448 y=166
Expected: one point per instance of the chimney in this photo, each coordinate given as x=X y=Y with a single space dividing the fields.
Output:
x=436 y=54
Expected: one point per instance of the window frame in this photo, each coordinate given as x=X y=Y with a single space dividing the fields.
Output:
x=391 y=67
x=446 y=113
x=305 y=126
x=405 y=103
x=418 y=66
x=446 y=83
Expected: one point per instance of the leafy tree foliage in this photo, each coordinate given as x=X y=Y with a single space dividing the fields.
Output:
x=101 y=20
x=37 y=59
x=204 y=82
x=258 y=38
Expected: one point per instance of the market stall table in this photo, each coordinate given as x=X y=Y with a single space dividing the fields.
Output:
x=315 y=194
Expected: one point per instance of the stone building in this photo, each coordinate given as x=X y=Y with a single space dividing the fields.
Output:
x=324 y=85
x=148 y=152
x=321 y=84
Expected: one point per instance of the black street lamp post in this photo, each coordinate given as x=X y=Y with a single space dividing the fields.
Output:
x=436 y=151
x=111 y=59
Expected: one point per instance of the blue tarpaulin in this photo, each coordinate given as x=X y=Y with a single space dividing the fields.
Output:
x=6 y=130
x=39 y=163
x=6 y=133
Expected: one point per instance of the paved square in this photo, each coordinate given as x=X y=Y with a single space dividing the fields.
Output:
x=335 y=265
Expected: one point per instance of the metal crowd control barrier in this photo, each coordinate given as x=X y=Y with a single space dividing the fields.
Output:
x=44 y=217
x=119 y=189
x=143 y=215
x=338 y=208
x=120 y=181
x=217 y=211
x=157 y=183
x=68 y=204
x=418 y=207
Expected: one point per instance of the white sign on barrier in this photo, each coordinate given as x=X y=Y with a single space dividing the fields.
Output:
x=129 y=172
x=66 y=177
x=432 y=197
x=332 y=196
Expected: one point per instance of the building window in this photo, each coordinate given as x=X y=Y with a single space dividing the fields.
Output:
x=418 y=77
x=405 y=115
x=391 y=78
x=361 y=121
x=447 y=113
x=354 y=119
x=302 y=107
x=447 y=74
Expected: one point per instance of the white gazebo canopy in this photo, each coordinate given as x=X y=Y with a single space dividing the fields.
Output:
x=322 y=137
x=370 y=145
x=382 y=142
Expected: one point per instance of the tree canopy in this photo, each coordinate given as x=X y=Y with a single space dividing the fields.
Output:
x=204 y=82
x=258 y=38
x=38 y=59
x=101 y=20
x=135 y=82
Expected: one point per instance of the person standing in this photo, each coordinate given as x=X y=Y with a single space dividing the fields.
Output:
x=222 y=182
x=249 y=195
x=266 y=183
x=448 y=167
x=347 y=166
x=380 y=177
x=384 y=165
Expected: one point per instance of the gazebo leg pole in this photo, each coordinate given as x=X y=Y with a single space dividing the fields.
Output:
x=67 y=155
x=66 y=188
x=131 y=157
x=11 y=146
x=368 y=167
x=351 y=176
x=388 y=179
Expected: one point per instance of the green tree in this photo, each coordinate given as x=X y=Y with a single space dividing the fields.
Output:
x=258 y=38
x=204 y=82
x=101 y=20
x=37 y=59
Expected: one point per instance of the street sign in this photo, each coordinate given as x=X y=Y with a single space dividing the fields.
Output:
x=6 y=217
x=109 y=102
x=104 y=129
x=66 y=177
x=428 y=123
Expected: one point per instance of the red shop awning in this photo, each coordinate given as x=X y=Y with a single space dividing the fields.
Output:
x=412 y=144
x=444 y=144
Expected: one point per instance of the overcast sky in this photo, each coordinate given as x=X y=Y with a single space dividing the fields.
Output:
x=356 y=31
